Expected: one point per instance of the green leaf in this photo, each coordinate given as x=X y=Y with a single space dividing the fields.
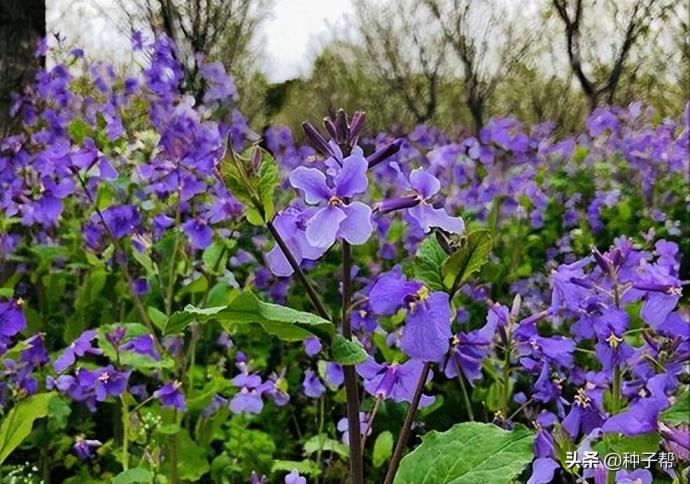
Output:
x=468 y=453
x=283 y=322
x=469 y=258
x=383 y=448
x=679 y=413
x=157 y=316
x=302 y=466
x=324 y=443
x=252 y=181
x=641 y=444
x=134 y=475
x=16 y=426
x=193 y=464
x=130 y=358
x=428 y=263
x=215 y=257
x=347 y=352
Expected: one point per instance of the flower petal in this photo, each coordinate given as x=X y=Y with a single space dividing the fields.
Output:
x=312 y=182
x=427 y=329
x=424 y=183
x=323 y=227
x=356 y=228
x=352 y=179
x=429 y=217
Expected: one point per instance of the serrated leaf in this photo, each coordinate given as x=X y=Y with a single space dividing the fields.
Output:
x=281 y=321
x=468 y=259
x=383 y=448
x=134 y=475
x=17 y=424
x=325 y=444
x=679 y=412
x=428 y=263
x=347 y=352
x=468 y=453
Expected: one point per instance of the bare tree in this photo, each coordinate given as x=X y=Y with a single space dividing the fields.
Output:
x=600 y=82
x=22 y=24
x=221 y=29
x=404 y=53
x=488 y=47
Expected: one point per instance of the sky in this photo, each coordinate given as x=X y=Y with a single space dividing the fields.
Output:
x=289 y=38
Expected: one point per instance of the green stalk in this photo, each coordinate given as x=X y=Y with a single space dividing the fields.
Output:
x=125 y=434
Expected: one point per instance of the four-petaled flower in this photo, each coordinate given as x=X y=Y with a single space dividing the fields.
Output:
x=338 y=217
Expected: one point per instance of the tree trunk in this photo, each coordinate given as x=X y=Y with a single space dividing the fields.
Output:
x=22 y=24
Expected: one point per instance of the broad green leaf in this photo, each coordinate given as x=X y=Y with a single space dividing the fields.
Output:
x=347 y=352
x=193 y=464
x=383 y=448
x=641 y=444
x=468 y=453
x=679 y=413
x=283 y=322
x=325 y=444
x=469 y=258
x=428 y=263
x=17 y=424
x=134 y=475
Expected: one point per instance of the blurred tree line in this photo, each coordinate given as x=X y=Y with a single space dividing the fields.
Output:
x=454 y=63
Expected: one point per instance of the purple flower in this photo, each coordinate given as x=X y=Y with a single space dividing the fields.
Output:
x=422 y=187
x=143 y=345
x=426 y=333
x=294 y=478
x=312 y=386
x=110 y=382
x=121 y=220
x=312 y=346
x=79 y=347
x=394 y=380
x=12 y=319
x=636 y=476
x=468 y=351
x=247 y=400
x=291 y=224
x=170 y=395
x=140 y=286
x=83 y=447
x=199 y=233
x=334 y=374
x=36 y=354
x=339 y=218
x=343 y=427
x=543 y=469
x=220 y=84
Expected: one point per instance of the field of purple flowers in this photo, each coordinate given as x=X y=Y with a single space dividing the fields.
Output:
x=183 y=300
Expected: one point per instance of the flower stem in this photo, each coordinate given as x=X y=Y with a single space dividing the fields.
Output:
x=463 y=388
x=118 y=249
x=311 y=292
x=370 y=421
x=351 y=393
x=356 y=470
x=125 y=434
x=407 y=426
x=174 y=474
